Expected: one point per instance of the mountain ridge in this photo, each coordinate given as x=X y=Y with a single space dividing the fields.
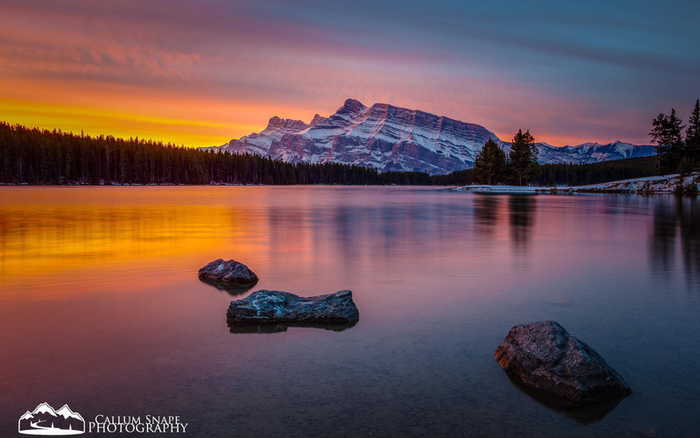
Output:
x=392 y=138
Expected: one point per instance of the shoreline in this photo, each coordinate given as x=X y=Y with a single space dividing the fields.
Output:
x=663 y=184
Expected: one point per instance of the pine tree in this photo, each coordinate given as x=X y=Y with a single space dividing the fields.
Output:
x=490 y=164
x=523 y=157
x=667 y=133
x=692 y=137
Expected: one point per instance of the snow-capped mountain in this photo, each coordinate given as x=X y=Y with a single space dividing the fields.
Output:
x=260 y=143
x=591 y=152
x=390 y=138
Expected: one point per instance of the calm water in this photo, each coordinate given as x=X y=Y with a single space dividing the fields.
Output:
x=100 y=307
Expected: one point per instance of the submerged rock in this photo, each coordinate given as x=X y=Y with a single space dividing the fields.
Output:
x=543 y=356
x=275 y=307
x=266 y=328
x=227 y=274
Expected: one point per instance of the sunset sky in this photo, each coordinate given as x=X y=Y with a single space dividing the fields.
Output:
x=202 y=72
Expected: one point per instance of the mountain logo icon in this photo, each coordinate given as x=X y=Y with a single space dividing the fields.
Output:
x=46 y=421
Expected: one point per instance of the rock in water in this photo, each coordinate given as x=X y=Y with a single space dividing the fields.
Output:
x=228 y=273
x=271 y=307
x=543 y=356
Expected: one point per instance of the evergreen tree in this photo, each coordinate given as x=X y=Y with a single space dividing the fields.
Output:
x=490 y=164
x=692 y=137
x=667 y=133
x=523 y=157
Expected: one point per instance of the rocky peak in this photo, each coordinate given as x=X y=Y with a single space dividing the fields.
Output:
x=319 y=120
x=286 y=124
x=352 y=106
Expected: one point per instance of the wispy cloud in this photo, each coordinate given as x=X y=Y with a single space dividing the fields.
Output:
x=569 y=72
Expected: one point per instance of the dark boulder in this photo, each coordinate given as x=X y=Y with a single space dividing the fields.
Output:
x=275 y=307
x=544 y=357
x=228 y=274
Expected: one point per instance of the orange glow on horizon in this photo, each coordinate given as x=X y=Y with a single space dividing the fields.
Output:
x=125 y=111
x=190 y=132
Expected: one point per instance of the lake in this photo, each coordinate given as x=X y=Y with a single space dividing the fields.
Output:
x=101 y=307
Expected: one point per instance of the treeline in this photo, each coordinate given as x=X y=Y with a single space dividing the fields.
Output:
x=677 y=153
x=35 y=156
x=569 y=174
x=594 y=173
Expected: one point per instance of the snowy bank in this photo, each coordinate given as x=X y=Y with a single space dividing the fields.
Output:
x=652 y=184
x=484 y=188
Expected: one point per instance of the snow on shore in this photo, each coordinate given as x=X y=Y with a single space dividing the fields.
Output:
x=651 y=184
x=485 y=188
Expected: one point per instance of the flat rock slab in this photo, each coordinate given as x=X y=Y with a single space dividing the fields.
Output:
x=545 y=357
x=223 y=273
x=274 y=307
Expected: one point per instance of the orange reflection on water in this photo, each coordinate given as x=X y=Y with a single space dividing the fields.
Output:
x=97 y=235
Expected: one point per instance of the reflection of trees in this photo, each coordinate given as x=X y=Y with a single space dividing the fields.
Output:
x=522 y=218
x=355 y=230
x=379 y=229
x=664 y=240
x=676 y=219
x=486 y=212
x=690 y=236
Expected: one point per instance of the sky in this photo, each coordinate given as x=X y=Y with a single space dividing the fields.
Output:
x=200 y=73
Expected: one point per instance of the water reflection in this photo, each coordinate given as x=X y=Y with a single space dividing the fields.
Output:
x=358 y=231
x=486 y=212
x=247 y=328
x=39 y=240
x=110 y=276
x=522 y=217
x=676 y=235
x=587 y=414
x=228 y=288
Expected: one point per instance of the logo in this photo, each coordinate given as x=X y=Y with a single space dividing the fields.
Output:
x=44 y=420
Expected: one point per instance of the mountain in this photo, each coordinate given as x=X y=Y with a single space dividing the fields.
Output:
x=587 y=153
x=390 y=138
x=260 y=143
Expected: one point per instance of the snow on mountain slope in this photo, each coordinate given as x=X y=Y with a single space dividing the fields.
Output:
x=259 y=143
x=390 y=138
x=591 y=152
